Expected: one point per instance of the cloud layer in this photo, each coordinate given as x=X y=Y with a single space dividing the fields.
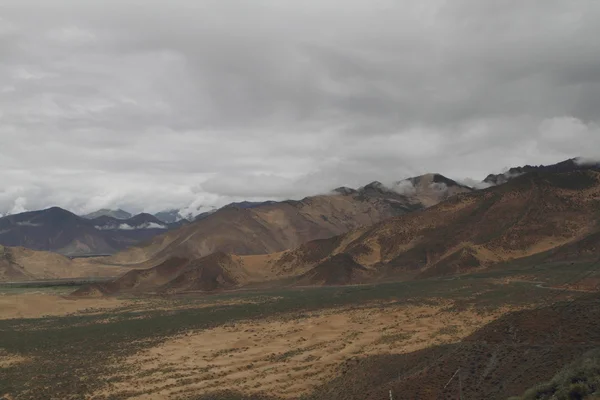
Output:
x=156 y=105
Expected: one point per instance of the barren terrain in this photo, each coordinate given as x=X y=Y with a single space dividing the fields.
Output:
x=288 y=357
x=279 y=343
x=543 y=215
x=39 y=304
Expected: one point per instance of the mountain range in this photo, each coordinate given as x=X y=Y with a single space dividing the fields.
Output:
x=243 y=228
x=61 y=231
x=170 y=216
x=269 y=227
x=175 y=215
x=531 y=214
x=548 y=214
x=416 y=228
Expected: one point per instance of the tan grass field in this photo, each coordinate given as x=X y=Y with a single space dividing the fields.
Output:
x=287 y=357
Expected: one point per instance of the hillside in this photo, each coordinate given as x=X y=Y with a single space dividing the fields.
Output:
x=61 y=231
x=270 y=227
x=554 y=215
x=21 y=264
x=531 y=214
x=216 y=271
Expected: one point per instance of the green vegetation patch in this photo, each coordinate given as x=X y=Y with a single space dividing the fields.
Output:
x=579 y=380
x=394 y=338
x=449 y=330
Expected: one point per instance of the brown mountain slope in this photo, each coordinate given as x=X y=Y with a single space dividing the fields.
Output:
x=213 y=272
x=587 y=248
x=274 y=227
x=340 y=269
x=21 y=264
x=530 y=214
x=176 y=274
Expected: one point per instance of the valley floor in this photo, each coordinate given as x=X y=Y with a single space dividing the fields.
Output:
x=280 y=343
x=288 y=357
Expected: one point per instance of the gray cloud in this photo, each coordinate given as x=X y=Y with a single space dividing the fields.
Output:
x=153 y=105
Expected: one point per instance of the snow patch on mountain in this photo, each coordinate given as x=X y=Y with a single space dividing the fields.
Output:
x=127 y=227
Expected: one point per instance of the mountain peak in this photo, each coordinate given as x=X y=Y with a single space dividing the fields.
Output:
x=249 y=204
x=144 y=218
x=344 y=190
x=56 y=209
x=118 y=214
x=433 y=178
x=375 y=186
x=169 y=216
x=56 y=212
x=570 y=165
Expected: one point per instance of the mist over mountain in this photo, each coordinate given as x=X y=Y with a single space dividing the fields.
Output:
x=550 y=213
x=573 y=164
x=109 y=231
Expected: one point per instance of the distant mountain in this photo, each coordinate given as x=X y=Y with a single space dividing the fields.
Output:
x=431 y=189
x=169 y=216
x=553 y=216
x=573 y=164
x=243 y=205
x=61 y=231
x=174 y=216
x=249 y=204
x=241 y=227
x=260 y=228
x=118 y=214
x=140 y=221
x=203 y=215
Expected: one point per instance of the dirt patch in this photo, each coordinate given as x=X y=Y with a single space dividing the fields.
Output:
x=34 y=305
x=287 y=357
x=8 y=360
x=38 y=305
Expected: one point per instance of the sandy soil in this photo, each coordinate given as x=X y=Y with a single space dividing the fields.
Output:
x=37 y=305
x=287 y=358
x=40 y=304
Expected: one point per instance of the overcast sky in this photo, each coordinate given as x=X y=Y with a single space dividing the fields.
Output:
x=149 y=105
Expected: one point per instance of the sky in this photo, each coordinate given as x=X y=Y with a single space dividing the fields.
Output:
x=151 y=105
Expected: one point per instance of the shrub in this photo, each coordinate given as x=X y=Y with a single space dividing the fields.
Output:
x=576 y=381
